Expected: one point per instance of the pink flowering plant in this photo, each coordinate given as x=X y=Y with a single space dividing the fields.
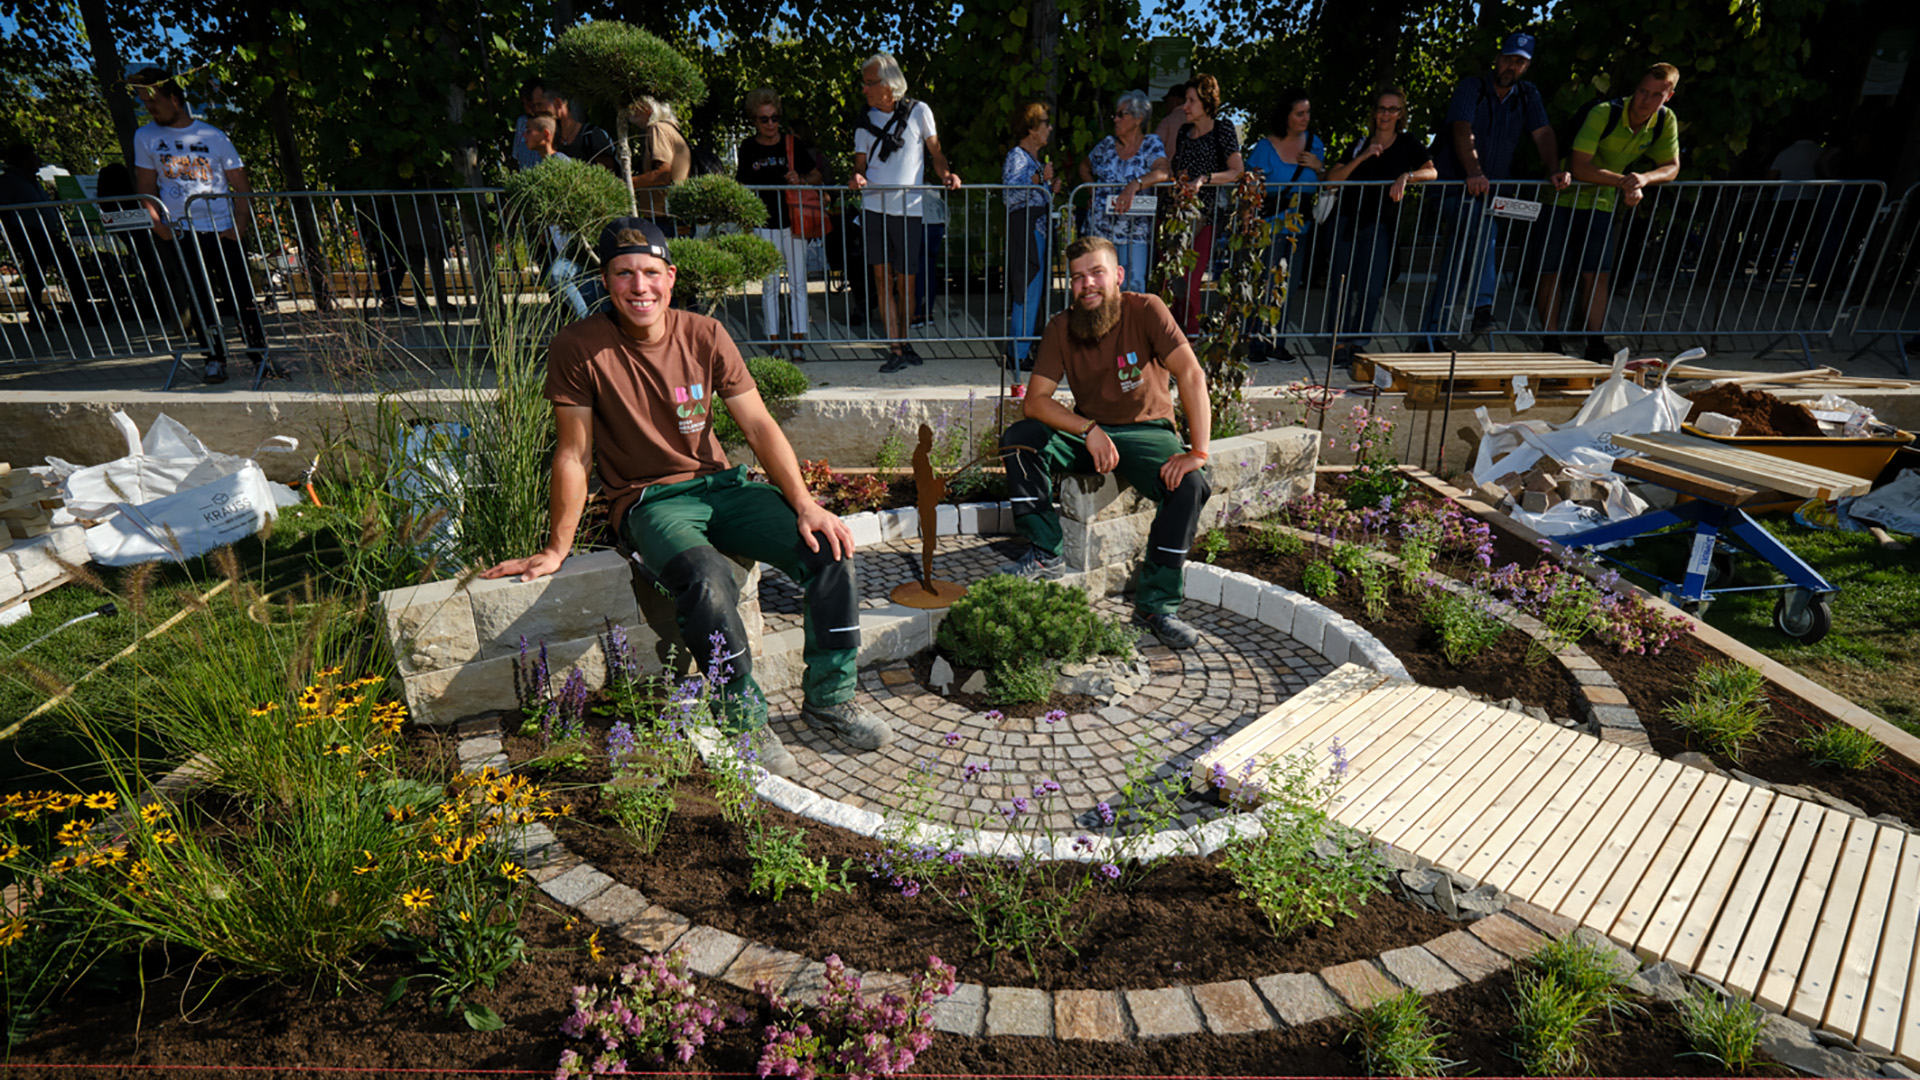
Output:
x=844 y=1034
x=650 y=1010
x=1367 y=433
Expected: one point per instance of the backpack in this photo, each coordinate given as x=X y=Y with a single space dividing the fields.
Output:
x=889 y=139
x=1565 y=133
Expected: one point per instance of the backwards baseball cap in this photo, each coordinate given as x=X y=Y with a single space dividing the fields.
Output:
x=612 y=248
x=1520 y=45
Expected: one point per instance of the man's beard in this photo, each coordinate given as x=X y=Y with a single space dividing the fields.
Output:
x=1089 y=325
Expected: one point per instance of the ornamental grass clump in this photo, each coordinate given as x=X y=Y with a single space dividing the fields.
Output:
x=1398 y=1038
x=844 y=1034
x=1561 y=994
x=1726 y=1029
x=651 y=1009
x=1004 y=621
x=1302 y=867
x=1725 y=707
x=1842 y=746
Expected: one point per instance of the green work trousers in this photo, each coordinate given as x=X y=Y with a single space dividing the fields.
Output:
x=1040 y=451
x=684 y=532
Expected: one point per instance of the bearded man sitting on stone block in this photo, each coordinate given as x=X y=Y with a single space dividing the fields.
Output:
x=1117 y=350
x=631 y=388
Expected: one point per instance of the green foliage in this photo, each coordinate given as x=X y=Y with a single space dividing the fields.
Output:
x=574 y=196
x=1319 y=579
x=1397 y=1038
x=471 y=938
x=610 y=65
x=1212 y=544
x=1726 y=1029
x=641 y=806
x=780 y=863
x=716 y=199
x=1303 y=867
x=1272 y=539
x=55 y=108
x=1560 y=994
x=1246 y=291
x=1725 y=706
x=1842 y=746
x=779 y=382
x=709 y=269
x=1004 y=618
x=1416 y=562
x=1028 y=679
x=1466 y=627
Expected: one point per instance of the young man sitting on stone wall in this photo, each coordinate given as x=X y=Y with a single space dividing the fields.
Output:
x=631 y=389
x=1116 y=350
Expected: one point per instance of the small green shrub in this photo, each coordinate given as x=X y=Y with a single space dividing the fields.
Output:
x=609 y=65
x=573 y=196
x=1561 y=993
x=1724 y=1029
x=779 y=382
x=1416 y=562
x=1467 y=628
x=1349 y=558
x=1319 y=579
x=640 y=805
x=1842 y=746
x=1397 y=1038
x=709 y=269
x=758 y=257
x=1212 y=544
x=1274 y=540
x=716 y=199
x=1286 y=871
x=1027 y=680
x=1376 y=588
x=1726 y=706
x=1004 y=618
x=780 y=863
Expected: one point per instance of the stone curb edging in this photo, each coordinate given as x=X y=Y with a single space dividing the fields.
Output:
x=1227 y=1007
x=1597 y=696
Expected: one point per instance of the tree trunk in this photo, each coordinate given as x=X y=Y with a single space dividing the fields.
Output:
x=623 y=156
x=1043 y=23
x=293 y=178
x=107 y=68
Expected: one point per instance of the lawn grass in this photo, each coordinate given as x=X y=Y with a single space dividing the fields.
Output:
x=1872 y=654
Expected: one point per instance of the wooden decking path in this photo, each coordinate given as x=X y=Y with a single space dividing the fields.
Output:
x=1807 y=910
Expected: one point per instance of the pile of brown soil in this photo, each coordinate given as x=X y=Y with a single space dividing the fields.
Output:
x=1759 y=413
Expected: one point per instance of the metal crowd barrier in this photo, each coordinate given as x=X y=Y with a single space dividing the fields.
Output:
x=1887 y=299
x=1695 y=259
x=87 y=279
x=963 y=270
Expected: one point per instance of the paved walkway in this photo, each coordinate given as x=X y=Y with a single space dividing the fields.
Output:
x=1238 y=671
x=1808 y=910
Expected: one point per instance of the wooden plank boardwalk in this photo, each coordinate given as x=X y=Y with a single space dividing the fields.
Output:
x=1808 y=911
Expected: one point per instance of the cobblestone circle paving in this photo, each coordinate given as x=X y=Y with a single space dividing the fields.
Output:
x=1239 y=670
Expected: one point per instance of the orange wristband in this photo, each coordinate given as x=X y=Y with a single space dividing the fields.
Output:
x=1201 y=454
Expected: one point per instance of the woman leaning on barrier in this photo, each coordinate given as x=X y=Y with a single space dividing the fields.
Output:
x=1207 y=155
x=1292 y=162
x=1369 y=220
x=1131 y=160
x=777 y=158
x=1029 y=221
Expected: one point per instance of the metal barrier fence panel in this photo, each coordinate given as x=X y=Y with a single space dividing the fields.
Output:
x=1441 y=266
x=983 y=261
x=1887 y=299
x=88 y=279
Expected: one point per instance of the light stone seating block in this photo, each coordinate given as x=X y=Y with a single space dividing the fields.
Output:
x=1310 y=625
x=866 y=528
x=1276 y=609
x=1240 y=594
x=1203 y=584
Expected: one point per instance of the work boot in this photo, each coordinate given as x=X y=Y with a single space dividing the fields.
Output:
x=1484 y=321
x=1036 y=565
x=854 y=725
x=769 y=753
x=1172 y=631
x=216 y=371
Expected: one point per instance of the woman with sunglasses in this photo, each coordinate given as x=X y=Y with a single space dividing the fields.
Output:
x=1291 y=162
x=775 y=158
x=1369 y=220
x=1125 y=164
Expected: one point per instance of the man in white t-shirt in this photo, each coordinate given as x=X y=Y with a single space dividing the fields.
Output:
x=894 y=141
x=176 y=157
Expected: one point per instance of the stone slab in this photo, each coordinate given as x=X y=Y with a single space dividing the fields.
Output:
x=1417 y=968
x=656 y=929
x=757 y=963
x=1299 y=999
x=1548 y=923
x=1203 y=583
x=1240 y=594
x=1468 y=955
x=573 y=602
x=1165 y=1012
x=614 y=905
x=1507 y=935
x=709 y=950
x=1015 y=1010
x=963 y=1012
x=428 y=631
x=1359 y=984
x=1089 y=1015
x=1232 y=1008
x=576 y=885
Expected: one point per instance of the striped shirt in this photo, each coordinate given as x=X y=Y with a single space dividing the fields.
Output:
x=1498 y=126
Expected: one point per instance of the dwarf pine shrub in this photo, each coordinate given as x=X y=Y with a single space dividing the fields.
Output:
x=1005 y=621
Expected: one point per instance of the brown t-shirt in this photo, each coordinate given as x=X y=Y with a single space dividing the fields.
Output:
x=649 y=401
x=1121 y=379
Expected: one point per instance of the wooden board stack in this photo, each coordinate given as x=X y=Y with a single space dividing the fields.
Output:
x=1478 y=378
x=27 y=503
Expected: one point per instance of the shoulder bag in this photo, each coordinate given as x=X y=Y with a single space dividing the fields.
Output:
x=806 y=210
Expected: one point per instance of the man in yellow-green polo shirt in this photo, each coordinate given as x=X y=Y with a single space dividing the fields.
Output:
x=1615 y=135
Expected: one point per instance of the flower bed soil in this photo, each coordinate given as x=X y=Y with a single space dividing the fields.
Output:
x=1182 y=923
x=1649 y=682
x=135 y=1020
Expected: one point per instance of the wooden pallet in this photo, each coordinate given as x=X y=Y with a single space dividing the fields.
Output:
x=1479 y=377
x=1720 y=460
x=1810 y=911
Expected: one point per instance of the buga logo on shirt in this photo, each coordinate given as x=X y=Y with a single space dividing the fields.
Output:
x=692 y=407
x=1129 y=368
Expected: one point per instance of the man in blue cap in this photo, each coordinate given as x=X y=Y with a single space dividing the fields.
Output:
x=631 y=390
x=1484 y=123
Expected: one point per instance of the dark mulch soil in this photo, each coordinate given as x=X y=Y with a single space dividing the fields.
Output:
x=1160 y=930
x=922 y=664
